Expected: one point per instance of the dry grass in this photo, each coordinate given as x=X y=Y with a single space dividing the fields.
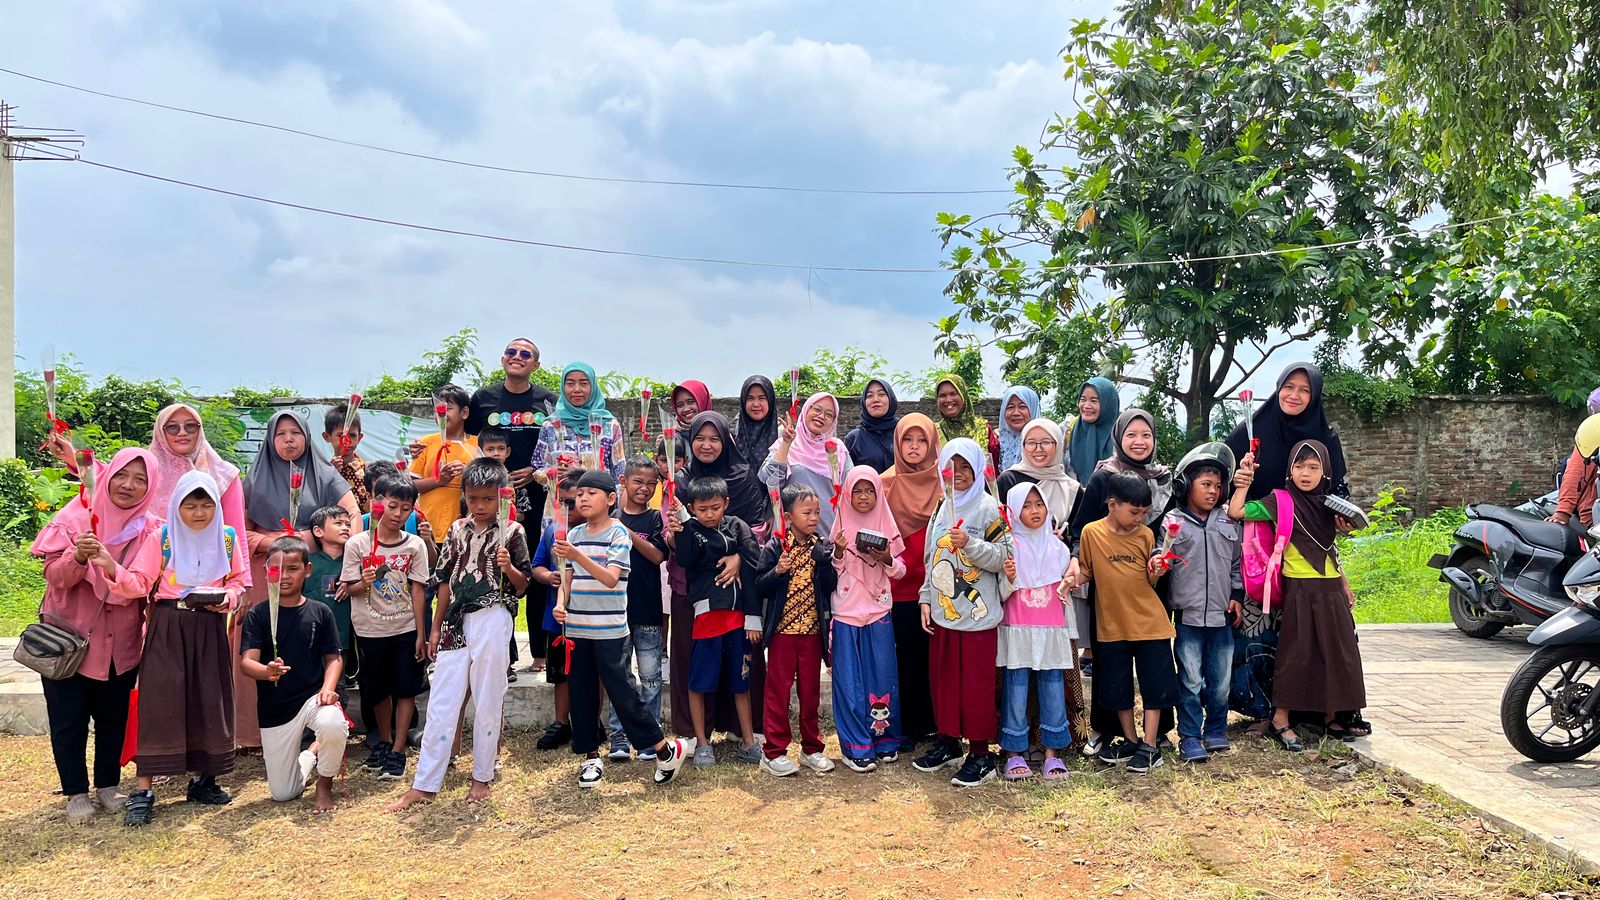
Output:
x=1258 y=823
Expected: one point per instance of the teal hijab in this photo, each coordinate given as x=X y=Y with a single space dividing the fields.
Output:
x=1092 y=441
x=579 y=417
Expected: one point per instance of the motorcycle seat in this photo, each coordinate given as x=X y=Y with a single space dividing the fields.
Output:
x=1536 y=531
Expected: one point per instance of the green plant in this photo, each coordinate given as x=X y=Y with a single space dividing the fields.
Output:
x=28 y=499
x=454 y=357
x=1372 y=397
x=1387 y=563
x=21 y=588
x=1215 y=148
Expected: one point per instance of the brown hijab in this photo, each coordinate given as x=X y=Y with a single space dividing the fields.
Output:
x=914 y=491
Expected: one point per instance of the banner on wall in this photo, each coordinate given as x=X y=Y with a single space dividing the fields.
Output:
x=384 y=434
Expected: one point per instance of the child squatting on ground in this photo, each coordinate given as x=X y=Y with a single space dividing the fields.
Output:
x=296 y=663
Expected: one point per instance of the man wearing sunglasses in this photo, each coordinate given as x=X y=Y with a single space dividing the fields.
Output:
x=511 y=406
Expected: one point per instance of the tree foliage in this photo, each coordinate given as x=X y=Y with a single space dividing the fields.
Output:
x=1497 y=90
x=1204 y=130
x=454 y=358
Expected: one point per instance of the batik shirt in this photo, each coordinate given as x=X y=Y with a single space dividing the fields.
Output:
x=467 y=564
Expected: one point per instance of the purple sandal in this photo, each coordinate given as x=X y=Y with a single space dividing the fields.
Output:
x=1055 y=769
x=1017 y=769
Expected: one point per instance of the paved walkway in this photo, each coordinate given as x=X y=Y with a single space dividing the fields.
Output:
x=1433 y=696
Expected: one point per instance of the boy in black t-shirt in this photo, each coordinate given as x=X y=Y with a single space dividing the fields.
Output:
x=645 y=639
x=298 y=688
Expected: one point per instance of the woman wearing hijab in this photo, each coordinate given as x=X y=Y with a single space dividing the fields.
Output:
x=872 y=442
x=569 y=435
x=1043 y=463
x=1090 y=435
x=800 y=455
x=913 y=491
x=1019 y=405
x=689 y=399
x=179 y=443
x=94 y=579
x=758 y=419
x=958 y=417
x=1134 y=439
x=286 y=451
x=712 y=452
x=1293 y=414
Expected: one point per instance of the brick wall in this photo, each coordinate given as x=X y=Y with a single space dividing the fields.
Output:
x=1448 y=451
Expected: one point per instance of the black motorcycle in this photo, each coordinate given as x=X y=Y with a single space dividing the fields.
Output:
x=1551 y=707
x=1506 y=568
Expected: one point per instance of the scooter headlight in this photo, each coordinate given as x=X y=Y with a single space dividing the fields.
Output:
x=1585 y=594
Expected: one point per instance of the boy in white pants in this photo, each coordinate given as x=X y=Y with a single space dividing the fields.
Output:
x=484 y=567
x=298 y=688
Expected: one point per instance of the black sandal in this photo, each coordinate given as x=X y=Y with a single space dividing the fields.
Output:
x=1342 y=732
x=139 y=809
x=1293 y=745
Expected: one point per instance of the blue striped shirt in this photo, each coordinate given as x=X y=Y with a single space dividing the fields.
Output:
x=594 y=611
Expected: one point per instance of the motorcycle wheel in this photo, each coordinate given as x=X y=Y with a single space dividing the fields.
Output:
x=1468 y=620
x=1540 y=708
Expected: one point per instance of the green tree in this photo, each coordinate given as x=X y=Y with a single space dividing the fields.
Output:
x=1204 y=130
x=1496 y=90
x=455 y=357
x=1516 y=298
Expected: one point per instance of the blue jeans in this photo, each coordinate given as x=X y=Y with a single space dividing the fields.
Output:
x=1205 y=666
x=1052 y=690
x=643 y=644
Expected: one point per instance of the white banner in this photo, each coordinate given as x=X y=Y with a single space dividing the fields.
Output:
x=384 y=434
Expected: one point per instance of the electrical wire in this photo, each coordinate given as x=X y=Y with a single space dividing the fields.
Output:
x=660 y=182
x=758 y=264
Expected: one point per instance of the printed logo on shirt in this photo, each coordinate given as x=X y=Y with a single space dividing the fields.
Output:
x=1124 y=558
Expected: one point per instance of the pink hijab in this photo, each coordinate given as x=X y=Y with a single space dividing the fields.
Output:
x=848 y=522
x=697 y=390
x=172 y=466
x=116 y=526
x=810 y=452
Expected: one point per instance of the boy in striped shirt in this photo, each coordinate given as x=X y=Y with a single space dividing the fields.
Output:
x=594 y=616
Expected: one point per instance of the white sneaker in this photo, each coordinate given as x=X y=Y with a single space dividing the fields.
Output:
x=111 y=799
x=779 y=766
x=667 y=768
x=818 y=761
x=591 y=772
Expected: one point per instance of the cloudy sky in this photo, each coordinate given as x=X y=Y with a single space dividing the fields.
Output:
x=164 y=280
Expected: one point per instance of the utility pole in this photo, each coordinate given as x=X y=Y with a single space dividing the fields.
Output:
x=17 y=144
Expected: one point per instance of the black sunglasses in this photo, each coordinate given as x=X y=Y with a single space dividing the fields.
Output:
x=518 y=353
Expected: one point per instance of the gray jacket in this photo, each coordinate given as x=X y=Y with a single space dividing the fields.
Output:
x=964 y=591
x=1200 y=586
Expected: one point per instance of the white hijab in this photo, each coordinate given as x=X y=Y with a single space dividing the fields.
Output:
x=966 y=501
x=1041 y=556
x=198 y=558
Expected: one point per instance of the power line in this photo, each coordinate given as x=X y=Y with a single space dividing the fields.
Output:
x=495 y=168
x=757 y=264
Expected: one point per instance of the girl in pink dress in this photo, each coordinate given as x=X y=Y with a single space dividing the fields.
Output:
x=1036 y=635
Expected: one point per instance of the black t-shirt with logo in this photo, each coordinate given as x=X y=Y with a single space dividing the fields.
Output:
x=512 y=413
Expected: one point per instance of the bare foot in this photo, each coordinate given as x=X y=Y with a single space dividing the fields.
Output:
x=409 y=799
x=479 y=792
x=325 y=803
x=538 y=666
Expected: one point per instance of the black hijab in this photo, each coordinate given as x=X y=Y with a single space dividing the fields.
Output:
x=747 y=496
x=755 y=439
x=1314 y=527
x=872 y=442
x=1279 y=432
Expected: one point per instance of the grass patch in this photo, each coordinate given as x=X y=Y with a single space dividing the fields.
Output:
x=1255 y=823
x=21 y=589
x=1388 y=565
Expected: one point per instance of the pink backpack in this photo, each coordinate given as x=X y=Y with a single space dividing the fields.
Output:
x=1262 y=561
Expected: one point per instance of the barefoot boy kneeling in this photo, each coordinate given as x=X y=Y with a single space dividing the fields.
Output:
x=298 y=687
